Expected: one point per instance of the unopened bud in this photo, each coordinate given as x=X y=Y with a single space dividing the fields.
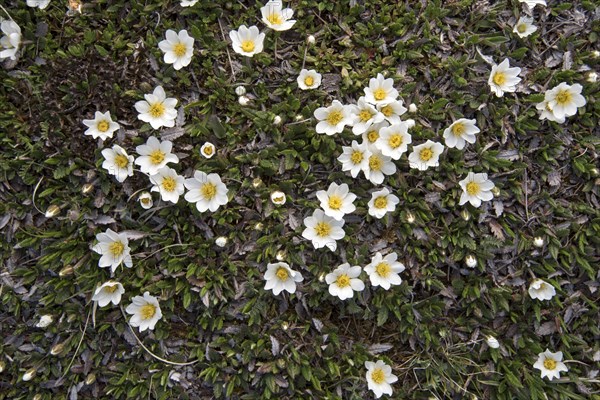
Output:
x=592 y=77
x=412 y=108
x=410 y=123
x=57 y=348
x=410 y=217
x=258 y=226
x=277 y=120
x=240 y=90
x=29 y=374
x=91 y=378
x=310 y=39
x=280 y=256
x=221 y=241
x=492 y=342
x=243 y=100
x=68 y=270
x=2 y=366
x=52 y=211
x=44 y=321
x=471 y=261
x=85 y=189
x=538 y=241
x=496 y=191
x=257 y=182
x=285 y=326
x=465 y=215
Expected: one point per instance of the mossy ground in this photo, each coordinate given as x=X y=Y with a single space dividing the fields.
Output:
x=250 y=344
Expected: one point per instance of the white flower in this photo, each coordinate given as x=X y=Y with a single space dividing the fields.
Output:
x=380 y=91
x=117 y=162
x=355 y=158
x=476 y=188
x=425 y=155
x=592 y=77
x=372 y=134
x=9 y=43
x=379 y=377
x=41 y=4
x=392 y=111
x=546 y=113
x=538 y=241
x=382 y=202
x=460 y=132
x=44 y=321
x=337 y=200
x=393 y=140
x=310 y=39
x=333 y=119
x=145 y=199
x=240 y=90
x=532 y=3
x=378 y=166
x=323 y=230
x=208 y=150
x=157 y=109
x=343 y=281
x=278 y=198
x=492 y=342
x=247 y=41
x=471 y=261
x=188 y=3
x=550 y=364
x=145 y=312
x=383 y=271
x=277 y=18
x=243 y=100
x=178 y=48
x=168 y=183
x=564 y=99
x=207 y=191
x=363 y=116
x=309 y=79
x=221 y=241
x=541 y=290
x=114 y=248
x=280 y=277
x=503 y=78
x=108 y=292
x=524 y=27
x=102 y=126
x=154 y=155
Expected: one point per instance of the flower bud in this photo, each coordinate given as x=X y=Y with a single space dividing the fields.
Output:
x=68 y=270
x=91 y=378
x=538 y=241
x=412 y=108
x=410 y=217
x=45 y=320
x=492 y=342
x=85 y=189
x=29 y=374
x=410 y=123
x=280 y=256
x=243 y=100
x=465 y=215
x=277 y=120
x=496 y=191
x=57 y=349
x=595 y=53
x=2 y=366
x=52 y=211
x=592 y=77
x=310 y=39
x=259 y=226
x=240 y=90
x=221 y=241
x=471 y=261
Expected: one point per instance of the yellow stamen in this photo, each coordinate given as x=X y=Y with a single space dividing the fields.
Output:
x=323 y=229
x=169 y=184
x=458 y=129
x=381 y=202
x=521 y=28
x=426 y=154
x=275 y=19
x=365 y=115
x=209 y=190
x=395 y=141
x=372 y=136
x=375 y=163
x=549 y=364
x=156 y=110
x=248 y=46
x=499 y=78
x=179 y=49
x=309 y=81
x=387 y=110
x=121 y=161
x=147 y=311
x=334 y=117
x=156 y=157
x=111 y=289
x=378 y=376
x=357 y=157
x=473 y=188
x=383 y=269
x=342 y=281
x=335 y=202
x=379 y=94
x=103 y=125
x=116 y=249
x=145 y=200
x=282 y=274
x=563 y=97
x=208 y=150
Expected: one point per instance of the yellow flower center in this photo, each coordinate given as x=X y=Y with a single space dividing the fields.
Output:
x=208 y=150
x=103 y=125
x=356 y=157
x=282 y=274
x=473 y=188
x=147 y=311
x=381 y=202
x=379 y=94
x=156 y=110
x=342 y=281
x=458 y=129
x=395 y=141
x=521 y=28
x=499 y=78
x=116 y=249
x=169 y=184
x=378 y=376
x=111 y=289
x=383 y=269
x=278 y=199
x=309 y=81
x=334 y=117
x=145 y=200
x=372 y=136
x=335 y=202
x=426 y=154
x=323 y=229
x=275 y=19
x=387 y=110
x=157 y=157
x=248 y=46
x=209 y=191
x=365 y=115
x=375 y=163
x=549 y=364
x=179 y=49
x=563 y=97
x=121 y=161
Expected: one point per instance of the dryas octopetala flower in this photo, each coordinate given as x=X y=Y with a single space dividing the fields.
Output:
x=114 y=248
x=343 y=281
x=333 y=119
x=158 y=109
x=276 y=17
x=323 y=230
x=533 y=3
x=393 y=140
x=380 y=91
x=541 y=290
x=460 y=132
x=563 y=100
x=102 y=126
x=41 y=4
x=117 y=162
x=178 y=48
x=355 y=158
x=309 y=79
x=379 y=378
x=208 y=150
x=145 y=199
x=168 y=183
x=45 y=321
x=337 y=201
x=524 y=27
x=280 y=277
x=9 y=43
x=503 y=78
x=188 y=3
x=392 y=111
x=108 y=292
x=382 y=202
x=378 y=166
x=425 y=155
x=383 y=271
x=476 y=188
x=372 y=134
x=207 y=191
x=247 y=41
x=550 y=364
x=546 y=113
x=278 y=198
x=364 y=115
x=145 y=312
x=154 y=155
